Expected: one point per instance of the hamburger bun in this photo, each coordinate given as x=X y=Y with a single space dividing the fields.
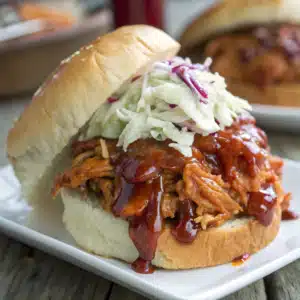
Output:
x=229 y=15
x=99 y=232
x=39 y=147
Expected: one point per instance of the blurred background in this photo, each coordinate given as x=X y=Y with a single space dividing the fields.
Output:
x=36 y=35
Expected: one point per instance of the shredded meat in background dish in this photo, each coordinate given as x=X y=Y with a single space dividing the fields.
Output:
x=231 y=173
x=262 y=55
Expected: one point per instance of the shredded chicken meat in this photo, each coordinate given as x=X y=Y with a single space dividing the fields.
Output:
x=89 y=169
x=262 y=55
x=231 y=173
x=208 y=191
x=226 y=168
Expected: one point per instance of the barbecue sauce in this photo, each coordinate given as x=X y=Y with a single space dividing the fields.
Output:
x=289 y=215
x=140 y=205
x=186 y=229
x=138 y=183
x=139 y=192
x=241 y=147
x=144 y=230
x=138 y=198
x=238 y=261
x=261 y=205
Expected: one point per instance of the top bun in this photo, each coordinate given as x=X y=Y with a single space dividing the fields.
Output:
x=231 y=14
x=70 y=96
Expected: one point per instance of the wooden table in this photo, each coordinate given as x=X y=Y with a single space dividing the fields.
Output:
x=27 y=273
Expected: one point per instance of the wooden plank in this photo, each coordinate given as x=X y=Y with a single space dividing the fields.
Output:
x=255 y=291
x=284 y=284
x=118 y=292
x=30 y=274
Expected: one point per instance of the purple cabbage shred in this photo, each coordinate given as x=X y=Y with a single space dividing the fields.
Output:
x=183 y=72
x=112 y=99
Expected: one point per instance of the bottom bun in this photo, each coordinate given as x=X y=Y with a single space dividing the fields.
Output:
x=101 y=233
x=284 y=94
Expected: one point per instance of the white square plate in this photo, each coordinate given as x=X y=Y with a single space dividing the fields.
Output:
x=277 y=117
x=44 y=230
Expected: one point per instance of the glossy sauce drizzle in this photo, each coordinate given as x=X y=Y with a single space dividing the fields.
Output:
x=261 y=205
x=186 y=229
x=144 y=230
x=138 y=198
x=139 y=192
x=139 y=189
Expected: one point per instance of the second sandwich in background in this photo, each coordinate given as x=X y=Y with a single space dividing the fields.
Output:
x=255 y=46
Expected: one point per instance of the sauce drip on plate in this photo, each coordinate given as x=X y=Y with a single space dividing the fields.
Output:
x=238 y=261
x=288 y=215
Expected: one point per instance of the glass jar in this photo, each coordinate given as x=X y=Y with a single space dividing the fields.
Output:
x=129 y=12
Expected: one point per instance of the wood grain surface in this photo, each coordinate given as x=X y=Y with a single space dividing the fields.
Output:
x=30 y=274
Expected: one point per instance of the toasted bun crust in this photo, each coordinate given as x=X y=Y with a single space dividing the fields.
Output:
x=231 y=14
x=285 y=94
x=70 y=96
x=101 y=233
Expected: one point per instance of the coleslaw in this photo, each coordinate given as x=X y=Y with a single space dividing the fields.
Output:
x=174 y=100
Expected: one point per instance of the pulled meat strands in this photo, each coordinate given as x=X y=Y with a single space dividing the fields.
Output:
x=210 y=188
x=231 y=172
x=276 y=164
x=169 y=181
x=238 y=154
x=244 y=184
x=101 y=147
x=78 y=175
x=107 y=188
x=79 y=147
x=81 y=157
x=207 y=221
x=169 y=205
x=262 y=56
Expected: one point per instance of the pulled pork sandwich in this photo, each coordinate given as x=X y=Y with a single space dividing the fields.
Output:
x=156 y=162
x=255 y=45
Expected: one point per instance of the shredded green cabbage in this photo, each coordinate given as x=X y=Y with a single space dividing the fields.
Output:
x=174 y=100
